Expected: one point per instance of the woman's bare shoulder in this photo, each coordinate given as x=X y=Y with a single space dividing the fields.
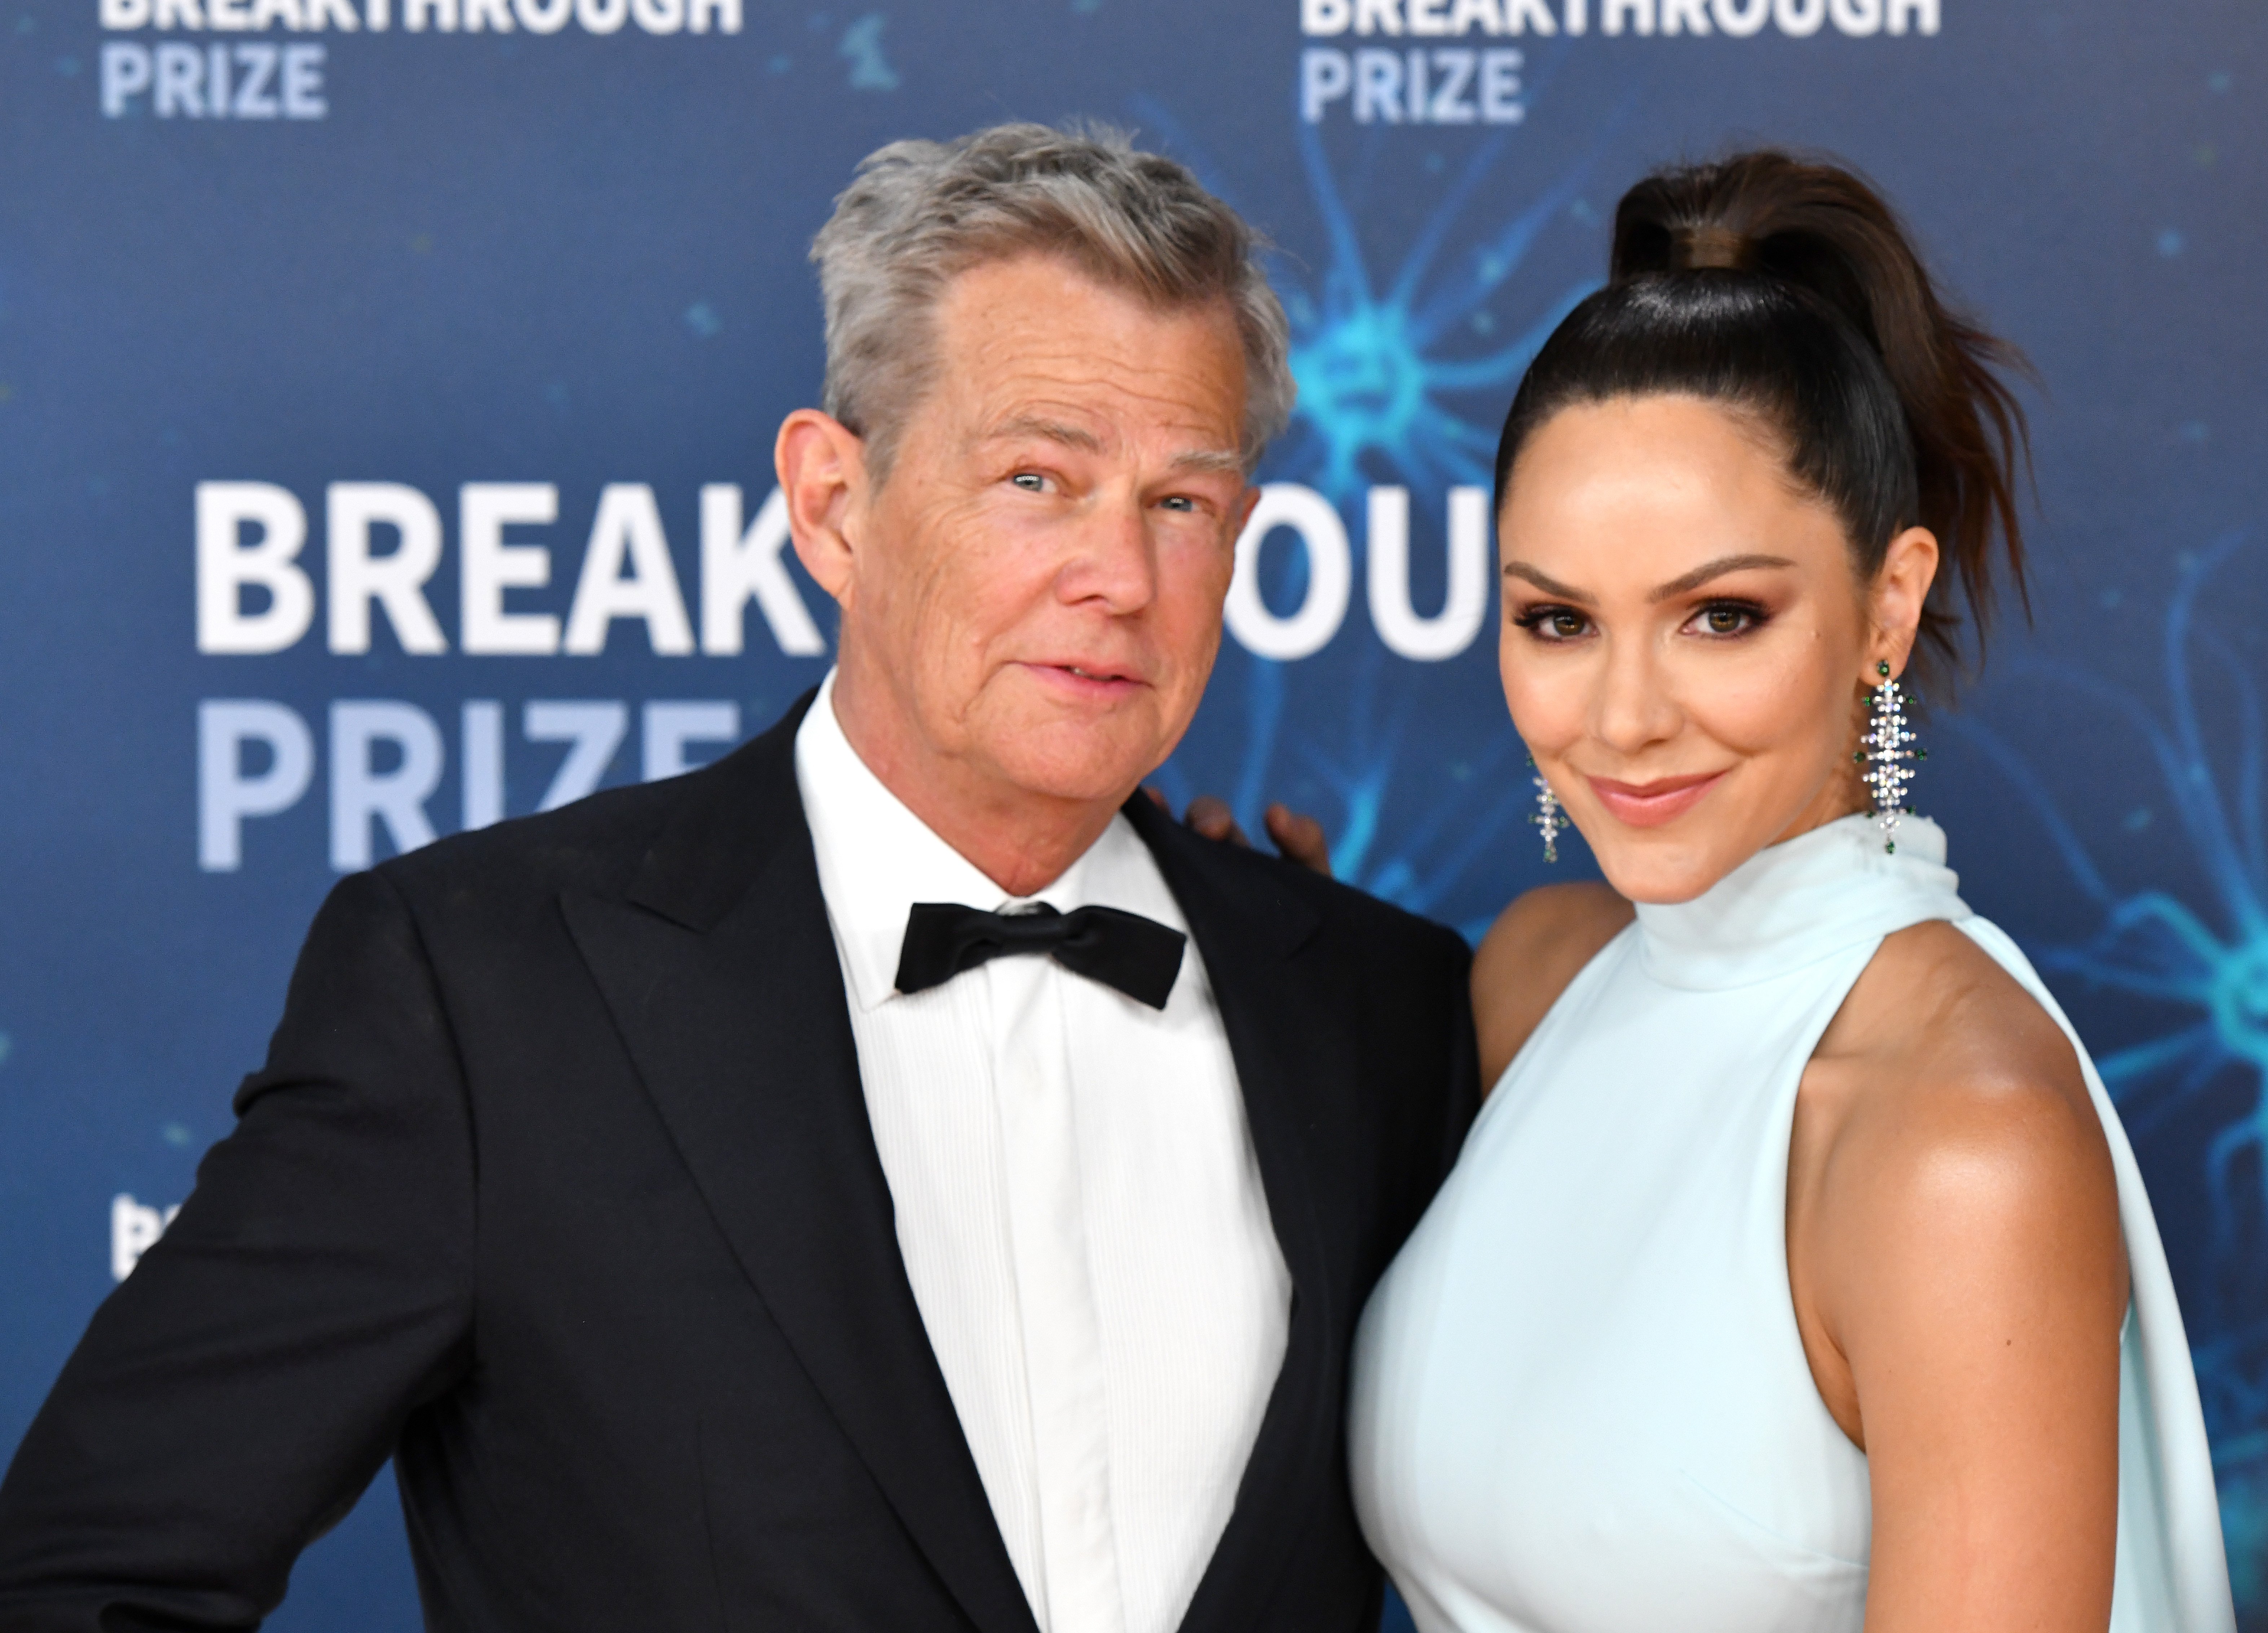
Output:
x=1536 y=946
x=1941 y=1031
x=1951 y=1119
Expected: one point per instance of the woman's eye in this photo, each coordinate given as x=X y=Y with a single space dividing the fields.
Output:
x=1556 y=623
x=1725 y=618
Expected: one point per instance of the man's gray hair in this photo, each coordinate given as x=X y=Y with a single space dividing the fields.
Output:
x=921 y=212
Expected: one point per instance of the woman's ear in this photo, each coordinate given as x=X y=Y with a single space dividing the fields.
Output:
x=1896 y=600
x=822 y=476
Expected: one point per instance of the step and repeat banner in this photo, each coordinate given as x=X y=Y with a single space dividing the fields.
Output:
x=387 y=394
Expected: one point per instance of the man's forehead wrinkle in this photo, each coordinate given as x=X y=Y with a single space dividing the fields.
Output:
x=1098 y=388
x=1047 y=427
x=1097 y=427
x=1077 y=359
x=1083 y=385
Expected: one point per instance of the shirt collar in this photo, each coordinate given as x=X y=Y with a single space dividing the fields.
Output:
x=877 y=858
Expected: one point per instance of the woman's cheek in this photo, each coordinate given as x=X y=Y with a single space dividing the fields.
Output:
x=1547 y=700
x=1774 y=697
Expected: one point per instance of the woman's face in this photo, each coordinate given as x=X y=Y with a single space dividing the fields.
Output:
x=1685 y=640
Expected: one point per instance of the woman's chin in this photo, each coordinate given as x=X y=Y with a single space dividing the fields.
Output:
x=1659 y=870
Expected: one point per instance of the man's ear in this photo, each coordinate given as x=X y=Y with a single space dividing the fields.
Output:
x=822 y=476
x=1245 y=506
x=1900 y=591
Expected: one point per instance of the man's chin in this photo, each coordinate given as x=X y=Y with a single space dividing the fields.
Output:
x=1085 y=785
x=1076 y=763
x=1077 y=743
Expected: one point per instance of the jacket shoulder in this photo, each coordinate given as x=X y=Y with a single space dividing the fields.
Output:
x=1358 y=912
x=595 y=845
x=702 y=832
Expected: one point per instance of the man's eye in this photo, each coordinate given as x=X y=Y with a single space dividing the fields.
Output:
x=1030 y=481
x=1180 y=502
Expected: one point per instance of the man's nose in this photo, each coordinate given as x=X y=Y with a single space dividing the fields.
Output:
x=1114 y=558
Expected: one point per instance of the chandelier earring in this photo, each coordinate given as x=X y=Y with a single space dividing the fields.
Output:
x=1549 y=820
x=1888 y=752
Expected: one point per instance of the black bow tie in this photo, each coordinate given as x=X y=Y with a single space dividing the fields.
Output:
x=1138 y=956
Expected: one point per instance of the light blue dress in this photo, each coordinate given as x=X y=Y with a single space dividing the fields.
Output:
x=1580 y=1404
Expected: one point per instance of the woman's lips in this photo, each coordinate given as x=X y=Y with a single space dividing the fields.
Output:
x=1650 y=805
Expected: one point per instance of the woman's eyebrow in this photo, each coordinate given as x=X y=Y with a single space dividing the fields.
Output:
x=1717 y=569
x=1549 y=586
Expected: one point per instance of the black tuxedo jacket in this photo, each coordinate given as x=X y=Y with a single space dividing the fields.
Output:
x=557 y=1189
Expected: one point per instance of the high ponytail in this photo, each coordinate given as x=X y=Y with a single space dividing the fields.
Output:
x=1790 y=291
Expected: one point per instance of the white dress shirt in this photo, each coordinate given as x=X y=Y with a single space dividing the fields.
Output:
x=1077 y=1204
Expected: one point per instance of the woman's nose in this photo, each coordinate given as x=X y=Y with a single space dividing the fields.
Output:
x=1633 y=709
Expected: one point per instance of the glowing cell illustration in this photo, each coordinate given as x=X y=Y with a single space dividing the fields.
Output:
x=1384 y=373
x=861 y=47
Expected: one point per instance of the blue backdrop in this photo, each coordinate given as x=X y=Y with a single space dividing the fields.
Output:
x=524 y=280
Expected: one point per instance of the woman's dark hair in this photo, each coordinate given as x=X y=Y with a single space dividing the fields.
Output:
x=1791 y=291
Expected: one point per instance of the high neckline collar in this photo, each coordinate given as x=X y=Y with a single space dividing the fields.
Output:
x=1797 y=903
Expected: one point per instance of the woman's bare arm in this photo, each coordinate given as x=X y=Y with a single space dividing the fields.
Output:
x=1535 y=947
x=1960 y=1281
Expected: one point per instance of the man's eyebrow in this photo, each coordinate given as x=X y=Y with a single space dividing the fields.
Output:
x=1070 y=436
x=1717 y=569
x=1549 y=586
x=1228 y=460
x=1047 y=431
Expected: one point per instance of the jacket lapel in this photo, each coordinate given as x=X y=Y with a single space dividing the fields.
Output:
x=721 y=972
x=1247 y=927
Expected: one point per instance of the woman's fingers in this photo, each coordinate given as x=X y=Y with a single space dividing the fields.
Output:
x=1214 y=819
x=1300 y=838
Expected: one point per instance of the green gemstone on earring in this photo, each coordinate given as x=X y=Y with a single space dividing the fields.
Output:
x=1882 y=667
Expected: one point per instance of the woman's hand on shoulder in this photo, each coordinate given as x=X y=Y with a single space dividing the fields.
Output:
x=1953 y=1238
x=1536 y=946
x=1298 y=838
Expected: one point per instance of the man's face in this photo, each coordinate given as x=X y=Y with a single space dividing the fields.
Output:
x=1036 y=589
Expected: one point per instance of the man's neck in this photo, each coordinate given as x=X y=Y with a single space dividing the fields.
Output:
x=1021 y=841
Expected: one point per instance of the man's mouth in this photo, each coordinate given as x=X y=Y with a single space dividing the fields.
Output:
x=1090 y=678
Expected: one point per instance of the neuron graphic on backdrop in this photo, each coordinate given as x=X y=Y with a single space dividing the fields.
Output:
x=1400 y=383
x=2215 y=965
